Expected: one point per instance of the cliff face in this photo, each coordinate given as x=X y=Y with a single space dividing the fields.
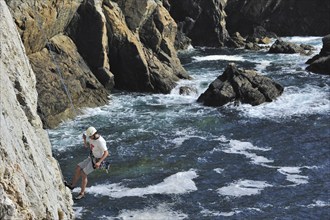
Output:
x=37 y=21
x=197 y=17
x=133 y=39
x=96 y=45
x=283 y=17
x=30 y=180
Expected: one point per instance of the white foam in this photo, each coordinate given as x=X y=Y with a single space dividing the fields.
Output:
x=298 y=39
x=319 y=203
x=293 y=102
x=292 y=175
x=218 y=170
x=218 y=57
x=238 y=147
x=78 y=211
x=179 y=183
x=179 y=140
x=262 y=65
x=161 y=212
x=243 y=188
x=207 y=212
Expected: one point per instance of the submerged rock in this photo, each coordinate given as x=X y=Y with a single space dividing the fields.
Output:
x=320 y=63
x=245 y=86
x=187 y=90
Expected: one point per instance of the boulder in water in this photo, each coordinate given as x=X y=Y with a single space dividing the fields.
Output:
x=246 y=86
x=285 y=47
x=187 y=90
x=320 y=63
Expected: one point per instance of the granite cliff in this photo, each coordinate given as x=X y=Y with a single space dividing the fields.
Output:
x=30 y=179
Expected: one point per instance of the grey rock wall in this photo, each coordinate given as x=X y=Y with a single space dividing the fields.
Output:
x=30 y=178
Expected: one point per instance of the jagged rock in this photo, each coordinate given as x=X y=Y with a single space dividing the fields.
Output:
x=320 y=63
x=260 y=32
x=198 y=17
x=38 y=21
x=252 y=46
x=62 y=58
x=283 y=17
x=265 y=40
x=236 y=41
x=143 y=59
x=285 y=47
x=30 y=179
x=250 y=43
x=136 y=12
x=88 y=30
x=245 y=86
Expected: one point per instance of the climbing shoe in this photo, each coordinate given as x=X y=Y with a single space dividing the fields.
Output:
x=80 y=196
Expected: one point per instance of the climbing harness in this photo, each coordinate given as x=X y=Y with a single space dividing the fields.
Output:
x=105 y=165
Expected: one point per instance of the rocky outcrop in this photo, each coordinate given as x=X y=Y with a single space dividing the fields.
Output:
x=240 y=85
x=30 y=179
x=88 y=31
x=250 y=43
x=286 y=47
x=38 y=21
x=41 y=25
x=283 y=17
x=195 y=18
x=142 y=58
x=321 y=62
x=126 y=44
x=62 y=78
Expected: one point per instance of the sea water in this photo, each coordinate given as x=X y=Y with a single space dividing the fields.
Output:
x=172 y=158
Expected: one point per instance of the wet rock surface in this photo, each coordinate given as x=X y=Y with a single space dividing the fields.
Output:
x=245 y=86
x=320 y=63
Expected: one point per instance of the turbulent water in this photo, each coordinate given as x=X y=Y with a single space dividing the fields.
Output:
x=172 y=158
